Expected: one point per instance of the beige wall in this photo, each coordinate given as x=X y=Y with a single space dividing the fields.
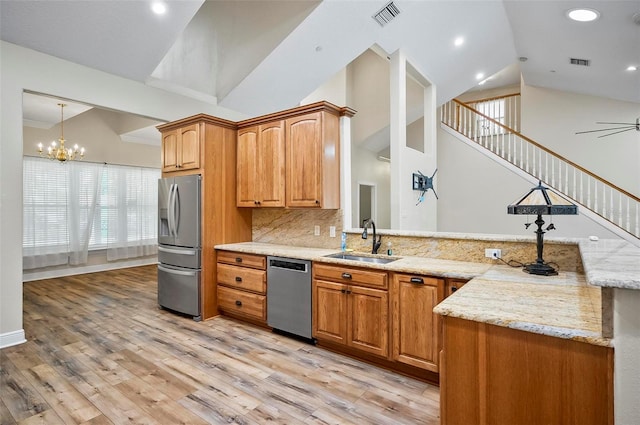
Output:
x=96 y=130
x=24 y=69
x=552 y=118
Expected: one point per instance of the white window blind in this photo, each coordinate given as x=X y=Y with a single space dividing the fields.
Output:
x=72 y=208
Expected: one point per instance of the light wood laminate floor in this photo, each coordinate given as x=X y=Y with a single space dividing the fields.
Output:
x=100 y=351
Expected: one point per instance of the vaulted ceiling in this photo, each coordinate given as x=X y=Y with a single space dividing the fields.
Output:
x=259 y=56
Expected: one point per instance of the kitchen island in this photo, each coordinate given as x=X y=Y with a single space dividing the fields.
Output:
x=533 y=328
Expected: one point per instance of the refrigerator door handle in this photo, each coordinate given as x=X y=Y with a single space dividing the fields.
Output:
x=170 y=210
x=177 y=272
x=177 y=251
x=176 y=211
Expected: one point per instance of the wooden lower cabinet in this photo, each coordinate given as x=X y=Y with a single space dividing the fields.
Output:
x=351 y=315
x=242 y=303
x=496 y=375
x=242 y=285
x=415 y=328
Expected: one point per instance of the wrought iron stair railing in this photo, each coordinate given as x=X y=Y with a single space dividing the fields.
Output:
x=583 y=187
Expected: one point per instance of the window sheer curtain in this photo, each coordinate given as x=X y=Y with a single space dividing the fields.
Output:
x=133 y=216
x=70 y=209
x=84 y=186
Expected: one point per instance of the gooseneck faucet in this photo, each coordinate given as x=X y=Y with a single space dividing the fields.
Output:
x=376 y=242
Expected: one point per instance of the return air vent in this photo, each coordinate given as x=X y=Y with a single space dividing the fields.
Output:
x=386 y=14
x=580 y=62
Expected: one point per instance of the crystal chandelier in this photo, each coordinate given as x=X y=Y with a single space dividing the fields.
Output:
x=57 y=150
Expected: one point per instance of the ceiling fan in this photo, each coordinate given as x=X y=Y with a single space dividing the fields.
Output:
x=626 y=126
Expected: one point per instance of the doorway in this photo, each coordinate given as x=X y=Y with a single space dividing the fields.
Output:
x=366 y=202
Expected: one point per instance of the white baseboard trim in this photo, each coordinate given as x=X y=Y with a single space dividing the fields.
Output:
x=50 y=274
x=9 y=339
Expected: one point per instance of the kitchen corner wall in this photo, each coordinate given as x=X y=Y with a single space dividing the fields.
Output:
x=296 y=227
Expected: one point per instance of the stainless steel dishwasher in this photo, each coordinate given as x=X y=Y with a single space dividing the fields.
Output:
x=289 y=295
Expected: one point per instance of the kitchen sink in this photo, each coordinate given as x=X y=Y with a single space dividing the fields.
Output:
x=362 y=258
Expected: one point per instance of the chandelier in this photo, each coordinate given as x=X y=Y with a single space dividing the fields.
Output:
x=57 y=150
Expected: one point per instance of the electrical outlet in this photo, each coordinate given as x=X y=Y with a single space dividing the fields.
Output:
x=493 y=253
x=332 y=231
x=316 y=230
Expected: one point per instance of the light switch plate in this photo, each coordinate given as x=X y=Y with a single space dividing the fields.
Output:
x=332 y=231
x=316 y=230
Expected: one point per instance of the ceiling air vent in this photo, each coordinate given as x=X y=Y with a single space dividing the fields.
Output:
x=580 y=62
x=386 y=14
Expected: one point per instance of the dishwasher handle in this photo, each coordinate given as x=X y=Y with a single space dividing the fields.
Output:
x=288 y=265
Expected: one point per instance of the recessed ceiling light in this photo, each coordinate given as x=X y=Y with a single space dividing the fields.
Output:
x=479 y=76
x=459 y=41
x=632 y=68
x=159 y=8
x=583 y=15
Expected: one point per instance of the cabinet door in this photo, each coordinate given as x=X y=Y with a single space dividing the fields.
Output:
x=169 y=151
x=246 y=168
x=368 y=320
x=415 y=328
x=189 y=147
x=304 y=166
x=271 y=159
x=329 y=311
x=453 y=285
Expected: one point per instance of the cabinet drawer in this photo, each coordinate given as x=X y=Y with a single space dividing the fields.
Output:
x=244 y=260
x=242 y=278
x=349 y=275
x=243 y=303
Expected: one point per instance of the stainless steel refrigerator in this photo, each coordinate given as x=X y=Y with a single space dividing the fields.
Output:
x=179 y=244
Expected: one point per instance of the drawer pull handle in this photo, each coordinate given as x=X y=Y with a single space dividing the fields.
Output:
x=343 y=291
x=348 y=291
x=417 y=280
x=454 y=288
x=238 y=259
x=238 y=279
x=346 y=275
x=239 y=303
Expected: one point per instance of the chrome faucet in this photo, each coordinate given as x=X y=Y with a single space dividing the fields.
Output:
x=376 y=242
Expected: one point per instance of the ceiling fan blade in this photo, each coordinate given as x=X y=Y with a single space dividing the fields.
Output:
x=621 y=131
x=620 y=123
x=608 y=129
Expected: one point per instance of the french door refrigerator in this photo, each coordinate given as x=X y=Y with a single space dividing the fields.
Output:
x=179 y=246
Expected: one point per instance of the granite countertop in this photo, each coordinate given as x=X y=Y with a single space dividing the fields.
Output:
x=563 y=306
x=611 y=263
x=404 y=264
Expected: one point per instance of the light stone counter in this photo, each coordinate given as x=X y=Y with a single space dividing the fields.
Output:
x=563 y=306
x=611 y=263
x=259 y=248
x=405 y=264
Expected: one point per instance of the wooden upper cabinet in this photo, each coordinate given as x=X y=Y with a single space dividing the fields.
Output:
x=291 y=158
x=181 y=149
x=169 y=151
x=247 y=168
x=260 y=166
x=313 y=161
x=415 y=328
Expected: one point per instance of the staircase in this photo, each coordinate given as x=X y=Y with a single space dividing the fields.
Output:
x=602 y=201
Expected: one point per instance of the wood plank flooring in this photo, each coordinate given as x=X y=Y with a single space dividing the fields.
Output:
x=100 y=351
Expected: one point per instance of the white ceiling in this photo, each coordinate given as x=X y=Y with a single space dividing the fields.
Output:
x=260 y=56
